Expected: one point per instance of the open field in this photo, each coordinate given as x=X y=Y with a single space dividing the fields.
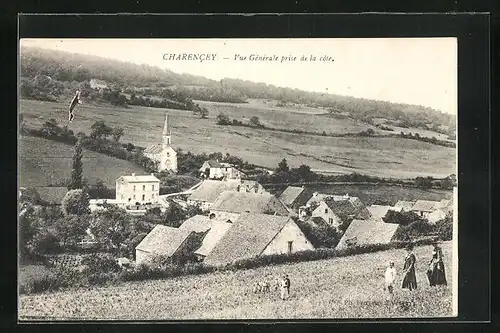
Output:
x=370 y=194
x=383 y=157
x=44 y=162
x=348 y=287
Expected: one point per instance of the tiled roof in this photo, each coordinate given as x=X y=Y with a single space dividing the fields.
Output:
x=209 y=190
x=241 y=202
x=345 y=207
x=163 y=240
x=402 y=205
x=362 y=232
x=290 y=194
x=217 y=230
x=378 y=211
x=425 y=206
x=154 y=149
x=197 y=223
x=139 y=179
x=248 y=237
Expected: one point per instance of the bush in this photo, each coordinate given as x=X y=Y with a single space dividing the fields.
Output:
x=415 y=230
x=97 y=263
x=444 y=228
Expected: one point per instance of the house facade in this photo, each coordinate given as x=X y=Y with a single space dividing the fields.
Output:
x=289 y=240
x=133 y=190
x=424 y=208
x=163 y=153
x=327 y=214
x=218 y=170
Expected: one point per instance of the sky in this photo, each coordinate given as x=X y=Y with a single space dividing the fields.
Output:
x=421 y=71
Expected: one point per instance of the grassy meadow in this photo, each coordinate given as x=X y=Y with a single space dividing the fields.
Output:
x=348 y=287
x=383 y=157
x=44 y=162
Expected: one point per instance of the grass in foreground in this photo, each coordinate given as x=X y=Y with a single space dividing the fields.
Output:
x=348 y=287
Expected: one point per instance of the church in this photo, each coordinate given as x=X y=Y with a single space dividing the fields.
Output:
x=163 y=153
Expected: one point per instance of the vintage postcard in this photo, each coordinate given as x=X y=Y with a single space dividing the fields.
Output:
x=237 y=179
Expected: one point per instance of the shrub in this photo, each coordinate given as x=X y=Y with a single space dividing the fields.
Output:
x=76 y=202
x=444 y=228
x=99 y=263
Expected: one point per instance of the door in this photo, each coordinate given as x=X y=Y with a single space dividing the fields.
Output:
x=290 y=245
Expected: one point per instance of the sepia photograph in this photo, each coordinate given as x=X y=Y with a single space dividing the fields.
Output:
x=237 y=179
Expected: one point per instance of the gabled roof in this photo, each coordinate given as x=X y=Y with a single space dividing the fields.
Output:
x=248 y=237
x=197 y=223
x=217 y=230
x=209 y=190
x=154 y=149
x=378 y=211
x=241 y=202
x=425 y=206
x=291 y=194
x=445 y=203
x=317 y=197
x=362 y=232
x=403 y=205
x=52 y=195
x=163 y=240
x=344 y=207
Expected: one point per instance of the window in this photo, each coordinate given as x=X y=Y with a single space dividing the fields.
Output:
x=330 y=220
x=144 y=187
x=168 y=154
x=290 y=243
x=134 y=188
x=153 y=187
x=152 y=196
x=134 y=196
x=143 y=197
x=326 y=210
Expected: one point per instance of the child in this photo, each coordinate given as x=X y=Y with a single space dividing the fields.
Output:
x=284 y=288
x=390 y=278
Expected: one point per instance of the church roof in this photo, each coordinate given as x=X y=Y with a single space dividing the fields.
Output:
x=154 y=149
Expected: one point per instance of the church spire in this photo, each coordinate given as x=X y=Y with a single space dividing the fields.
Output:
x=166 y=128
x=166 y=132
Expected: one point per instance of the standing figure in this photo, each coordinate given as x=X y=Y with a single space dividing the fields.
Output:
x=409 y=279
x=390 y=278
x=436 y=273
x=76 y=100
x=284 y=287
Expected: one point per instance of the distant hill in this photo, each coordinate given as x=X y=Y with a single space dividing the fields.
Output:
x=66 y=69
x=48 y=163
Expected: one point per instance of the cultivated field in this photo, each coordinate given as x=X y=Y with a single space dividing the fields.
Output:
x=349 y=287
x=44 y=162
x=384 y=157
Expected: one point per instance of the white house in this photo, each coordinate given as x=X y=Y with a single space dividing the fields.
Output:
x=425 y=207
x=137 y=189
x=98 y=84
x=253 y=235
x=163 y=153
x=218 y=170
x=334 y=211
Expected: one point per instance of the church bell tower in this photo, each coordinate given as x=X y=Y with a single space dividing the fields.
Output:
x=166 y=138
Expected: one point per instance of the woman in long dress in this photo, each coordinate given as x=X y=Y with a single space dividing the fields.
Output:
x=409 y=279
x=436 y=273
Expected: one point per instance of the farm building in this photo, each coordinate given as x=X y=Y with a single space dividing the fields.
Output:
x=253 y=235
x=137 y=189
x=403 y=206
x=163 y=153
x=98 y=84
x=377 y=212
x=295 y=197
x=425 y=207
x=51 y=195
x=219 y=170
x=230 y=204
x=163 y=241
x=316 y=198
x=333 y=211
x=362 y=232
x=206 y=194
x=444 y=208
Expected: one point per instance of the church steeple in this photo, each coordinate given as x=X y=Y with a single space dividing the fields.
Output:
x=166 y=132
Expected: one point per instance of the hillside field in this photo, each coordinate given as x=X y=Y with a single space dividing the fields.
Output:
x=44 y=162
x=383 y=157
x=348 y=287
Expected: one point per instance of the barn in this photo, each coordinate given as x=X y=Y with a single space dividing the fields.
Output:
x=363 y=232
x=253 y=235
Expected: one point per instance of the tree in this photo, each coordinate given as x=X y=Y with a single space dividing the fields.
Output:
x=44 y=242
x=76 y=181
x=111 y=226
x=255 y=121
x=50 y=128
x=174 y=215
x=283 y=166
x=222 y=119
x=27 y=228
x=100 y=130
x=76 y=202
x=71 y=229
x=401 y=218
x=304 y=172
x=117 y=133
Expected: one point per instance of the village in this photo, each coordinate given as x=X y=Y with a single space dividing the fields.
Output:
x=240 y=219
